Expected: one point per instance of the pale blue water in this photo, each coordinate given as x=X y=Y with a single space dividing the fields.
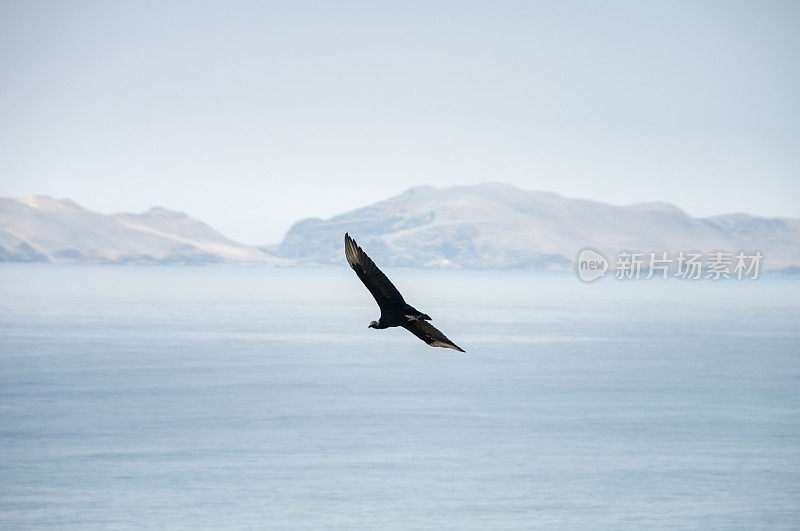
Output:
x=236 y=398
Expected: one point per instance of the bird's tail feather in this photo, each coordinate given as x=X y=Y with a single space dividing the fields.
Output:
x=415 y=315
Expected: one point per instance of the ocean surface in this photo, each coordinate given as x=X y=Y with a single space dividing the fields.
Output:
x=234 y=397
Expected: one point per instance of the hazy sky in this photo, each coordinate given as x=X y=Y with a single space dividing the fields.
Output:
x=251 y=115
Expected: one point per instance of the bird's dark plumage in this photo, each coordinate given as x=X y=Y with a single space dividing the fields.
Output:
x=394 y=309
x=429 y=334
x=373 y=278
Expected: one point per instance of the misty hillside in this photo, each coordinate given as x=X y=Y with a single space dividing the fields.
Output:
x=488 y=226
x=43 y=229
x=500 y=226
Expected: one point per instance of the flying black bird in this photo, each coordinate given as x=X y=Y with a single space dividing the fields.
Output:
x=394 y=309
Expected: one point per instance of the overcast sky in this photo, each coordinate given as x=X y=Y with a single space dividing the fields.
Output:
x=252 y=115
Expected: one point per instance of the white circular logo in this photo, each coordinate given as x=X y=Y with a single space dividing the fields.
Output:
x=590 y=265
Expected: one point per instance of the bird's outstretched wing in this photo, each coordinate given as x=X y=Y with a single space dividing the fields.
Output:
x=430 y=334
x=386 y=295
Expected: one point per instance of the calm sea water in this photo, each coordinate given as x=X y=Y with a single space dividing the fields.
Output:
x=149 y=397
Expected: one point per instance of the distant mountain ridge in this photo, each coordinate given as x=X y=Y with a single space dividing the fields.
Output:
x=43 y=229
x=486 y=226
x=498 y=226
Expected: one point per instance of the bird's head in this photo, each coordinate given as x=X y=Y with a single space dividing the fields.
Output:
x=373 y=324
